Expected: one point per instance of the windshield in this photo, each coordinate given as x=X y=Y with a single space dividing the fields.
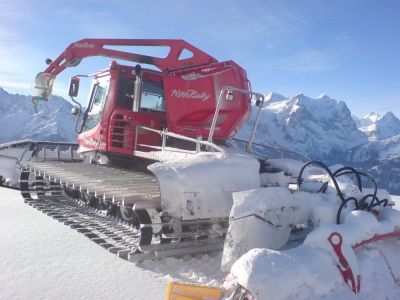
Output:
x=96 y=105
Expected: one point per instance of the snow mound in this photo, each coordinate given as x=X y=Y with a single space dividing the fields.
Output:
x=296 y=273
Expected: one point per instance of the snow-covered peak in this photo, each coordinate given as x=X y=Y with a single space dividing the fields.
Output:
x=53 y=122
x=315 y=128
x=379 y=127
x=387 y=126
x=372 y=117
x=299 y=96
x=323 y=96
x=274 y=97
x=389 y=117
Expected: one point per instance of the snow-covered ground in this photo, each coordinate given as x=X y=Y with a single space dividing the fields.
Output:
x=44 y=259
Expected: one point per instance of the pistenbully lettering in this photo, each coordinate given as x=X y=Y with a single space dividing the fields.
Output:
x=190 y=94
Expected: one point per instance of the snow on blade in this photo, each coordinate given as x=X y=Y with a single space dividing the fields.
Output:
x=201 y=186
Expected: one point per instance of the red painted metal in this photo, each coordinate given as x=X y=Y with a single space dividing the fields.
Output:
x=354 y=282
x=336 y=240
x=191 y=97
x=122 y=130
x=79 y=50
x=378 y=237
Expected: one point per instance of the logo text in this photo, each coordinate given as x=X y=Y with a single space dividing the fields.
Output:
x=190 y=94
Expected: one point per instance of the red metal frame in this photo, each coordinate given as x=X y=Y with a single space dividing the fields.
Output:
x=378 y=237
x=79 y=50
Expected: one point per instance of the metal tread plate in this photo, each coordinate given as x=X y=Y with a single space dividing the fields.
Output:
x=117 y=185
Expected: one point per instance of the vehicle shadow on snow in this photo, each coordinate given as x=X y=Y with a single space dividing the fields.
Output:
x=200 y=268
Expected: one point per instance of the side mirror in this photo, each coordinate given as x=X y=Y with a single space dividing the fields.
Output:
x=259 y=102
x=75 y=111
x=73 y=87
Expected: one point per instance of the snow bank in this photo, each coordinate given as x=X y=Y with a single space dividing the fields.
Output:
x=262 y=219
x=300 y=273
x=265 y=217
x=358 y=226
x=310 y=270
x=44 y=259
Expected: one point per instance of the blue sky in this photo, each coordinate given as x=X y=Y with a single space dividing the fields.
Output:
x=347 y=49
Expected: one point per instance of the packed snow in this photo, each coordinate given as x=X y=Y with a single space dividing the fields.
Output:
x=44 y=259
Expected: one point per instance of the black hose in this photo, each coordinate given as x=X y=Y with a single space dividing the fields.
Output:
x=362 y=204
x=325 y=167
x=344 y=205
x=349 y=170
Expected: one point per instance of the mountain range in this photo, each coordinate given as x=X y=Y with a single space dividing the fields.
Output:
x=320 y=129
x=19 y=120
x=324 y=129
x=378 y=127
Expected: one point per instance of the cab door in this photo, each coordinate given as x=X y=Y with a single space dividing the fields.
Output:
x=146 y=108
x=92 y=137
x=151 y=113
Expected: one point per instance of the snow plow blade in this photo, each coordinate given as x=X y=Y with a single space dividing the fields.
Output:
x=186 y=291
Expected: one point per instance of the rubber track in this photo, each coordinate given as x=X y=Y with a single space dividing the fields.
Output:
x=110 y=234
x=118 y=238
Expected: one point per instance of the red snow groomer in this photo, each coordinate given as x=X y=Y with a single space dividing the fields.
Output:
x=154 y=174
x=134 y=139
x=182 y=95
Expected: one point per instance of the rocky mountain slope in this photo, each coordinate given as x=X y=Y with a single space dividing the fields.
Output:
x=54 y=121
x=378 y=127
x=323 y=129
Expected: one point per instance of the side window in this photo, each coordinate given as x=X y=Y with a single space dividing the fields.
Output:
x=96 y=106
x=126 y=89
x=152 y=96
